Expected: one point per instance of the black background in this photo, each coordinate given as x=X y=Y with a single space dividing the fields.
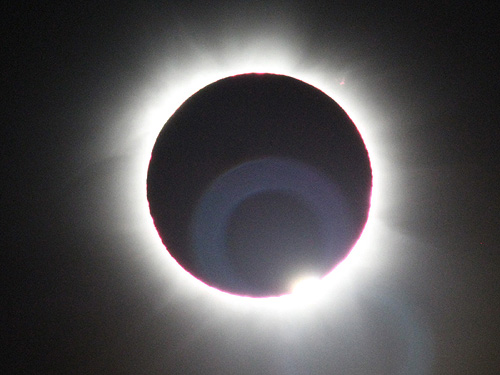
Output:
x=78 y=297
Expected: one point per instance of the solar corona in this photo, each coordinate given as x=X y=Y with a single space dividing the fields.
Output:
x=257 y=181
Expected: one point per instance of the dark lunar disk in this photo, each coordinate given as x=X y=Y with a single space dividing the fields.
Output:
x=256 y=180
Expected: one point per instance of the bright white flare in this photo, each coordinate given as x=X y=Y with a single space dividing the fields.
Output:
x=307 y=287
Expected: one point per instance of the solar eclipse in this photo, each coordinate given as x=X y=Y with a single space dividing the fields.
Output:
x=258 y=180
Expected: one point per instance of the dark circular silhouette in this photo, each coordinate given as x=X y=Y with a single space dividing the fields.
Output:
x=258 y=179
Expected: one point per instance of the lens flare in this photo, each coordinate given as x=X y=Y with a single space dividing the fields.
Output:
x=140 y=115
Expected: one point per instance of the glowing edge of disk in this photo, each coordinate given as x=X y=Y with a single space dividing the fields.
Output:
x=158 y=109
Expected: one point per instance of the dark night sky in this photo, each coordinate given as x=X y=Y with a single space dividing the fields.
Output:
x=81 y=291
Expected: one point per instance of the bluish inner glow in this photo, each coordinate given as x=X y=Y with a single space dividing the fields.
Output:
x=270 y=174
